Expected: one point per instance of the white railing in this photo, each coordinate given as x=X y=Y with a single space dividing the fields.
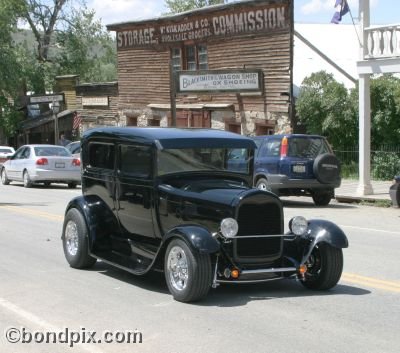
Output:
x=382 y=42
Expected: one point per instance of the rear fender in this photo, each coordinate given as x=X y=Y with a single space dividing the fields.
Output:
x=198 y=237
x=99 y=219
x=321 y=231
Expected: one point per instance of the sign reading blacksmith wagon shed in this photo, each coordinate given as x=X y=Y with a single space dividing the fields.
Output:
x=261 y=17
x=219 y=81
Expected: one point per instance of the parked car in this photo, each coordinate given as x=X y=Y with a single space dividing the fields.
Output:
x=5 y=152
x=168 y=199
x=297 y=165
x=74 y=148
x=42 y=164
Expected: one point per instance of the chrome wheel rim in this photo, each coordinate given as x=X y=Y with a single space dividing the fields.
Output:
x=263 y=187
x=3 y=176
x=71 y=238
x=177 y=267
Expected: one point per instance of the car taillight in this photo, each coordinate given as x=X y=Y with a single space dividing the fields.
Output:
x=76 y=162
x=284 y=147
x=42 y=161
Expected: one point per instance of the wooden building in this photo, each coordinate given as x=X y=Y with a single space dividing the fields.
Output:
x=242 y=35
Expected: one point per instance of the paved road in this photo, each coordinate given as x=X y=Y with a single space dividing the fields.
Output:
x=39 y=292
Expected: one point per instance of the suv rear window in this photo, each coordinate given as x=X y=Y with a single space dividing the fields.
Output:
x=309 y=147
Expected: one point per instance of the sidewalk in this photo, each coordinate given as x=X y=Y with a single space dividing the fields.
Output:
x=348 y=191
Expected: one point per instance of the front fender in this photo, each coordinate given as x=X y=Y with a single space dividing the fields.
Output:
x=198 y=237
x=321 y=231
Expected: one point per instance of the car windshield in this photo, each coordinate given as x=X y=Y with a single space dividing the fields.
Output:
x=235 y=160
x=52 y=151
x=309 y=147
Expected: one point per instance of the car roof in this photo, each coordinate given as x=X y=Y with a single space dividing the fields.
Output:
x=287 y=135
x=172 y=137
x=42 y=145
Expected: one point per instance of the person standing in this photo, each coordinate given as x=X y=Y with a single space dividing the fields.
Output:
x=63 y=141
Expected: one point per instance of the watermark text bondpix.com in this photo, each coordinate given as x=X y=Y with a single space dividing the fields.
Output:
x=71 y=337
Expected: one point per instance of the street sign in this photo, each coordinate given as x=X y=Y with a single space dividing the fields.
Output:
x=46 y=98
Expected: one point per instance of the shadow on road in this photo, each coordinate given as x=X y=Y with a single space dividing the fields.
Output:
x=230 y=295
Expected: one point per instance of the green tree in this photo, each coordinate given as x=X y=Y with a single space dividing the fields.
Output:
x=176 y=6
x=325 y=108
x=385 y=110
x=11 y=68
x=85 y=48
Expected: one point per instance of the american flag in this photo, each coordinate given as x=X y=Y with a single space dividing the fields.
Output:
x=77 y=121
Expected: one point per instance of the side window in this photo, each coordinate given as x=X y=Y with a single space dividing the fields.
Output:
x=26 y=153
x=271 y=148
x=135 y=160
x=101 y=155
x=19 y=153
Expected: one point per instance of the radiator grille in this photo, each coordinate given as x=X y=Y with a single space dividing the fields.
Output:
x=259 y=219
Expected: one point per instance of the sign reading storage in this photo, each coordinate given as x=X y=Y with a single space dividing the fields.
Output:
x=219 y=81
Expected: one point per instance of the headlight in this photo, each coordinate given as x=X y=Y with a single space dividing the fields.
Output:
x=298 y=225
x=229 y=227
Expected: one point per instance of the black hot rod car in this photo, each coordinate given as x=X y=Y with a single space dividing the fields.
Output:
x=180 y=200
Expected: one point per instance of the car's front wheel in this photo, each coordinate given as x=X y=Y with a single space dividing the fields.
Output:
x=188 y=273
x=75 y=240
x=324 y=267
x=4 y=179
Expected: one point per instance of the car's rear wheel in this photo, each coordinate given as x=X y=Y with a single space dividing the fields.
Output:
x=322 y=198
x=4 y=179
x=27 y=179
x=188 y=273
x=72 y=185
x=262 y=184
x=324 y=267
x=75 y=240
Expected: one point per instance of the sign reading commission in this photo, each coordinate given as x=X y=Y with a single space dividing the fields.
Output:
x=237 y=20
x=232 y=81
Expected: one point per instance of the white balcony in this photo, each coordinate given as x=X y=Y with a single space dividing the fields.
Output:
x=382 y=50
x=382 y=42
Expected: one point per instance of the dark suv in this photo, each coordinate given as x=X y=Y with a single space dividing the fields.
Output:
x=177 y=200
x=298 y=165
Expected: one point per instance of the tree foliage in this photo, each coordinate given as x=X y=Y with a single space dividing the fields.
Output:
x=324 y=108
x=385 y=110
x=58 y=37
x=176 y=6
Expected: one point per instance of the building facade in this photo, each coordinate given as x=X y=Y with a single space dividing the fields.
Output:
x=243 y=35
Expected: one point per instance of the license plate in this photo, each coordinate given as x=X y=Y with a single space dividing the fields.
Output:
x=299 y=168
x=60 y=165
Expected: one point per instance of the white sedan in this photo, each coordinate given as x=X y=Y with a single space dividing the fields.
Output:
x=5 y=152
x=42 y=164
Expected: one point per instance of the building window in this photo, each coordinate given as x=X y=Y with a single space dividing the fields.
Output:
x=190 y=57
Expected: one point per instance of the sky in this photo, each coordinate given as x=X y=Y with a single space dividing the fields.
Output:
x=383 y=12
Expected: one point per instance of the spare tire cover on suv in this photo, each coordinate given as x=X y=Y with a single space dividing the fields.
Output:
x=326 y=168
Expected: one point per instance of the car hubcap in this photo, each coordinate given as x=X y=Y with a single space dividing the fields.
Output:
x=26 y=179
x=178 y=268
x=263 y=187
x=71 y=238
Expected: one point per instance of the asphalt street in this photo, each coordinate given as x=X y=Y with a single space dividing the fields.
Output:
x=40 y=293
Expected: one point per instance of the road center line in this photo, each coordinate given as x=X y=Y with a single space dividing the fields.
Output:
x=33 y=212
x=371 y=282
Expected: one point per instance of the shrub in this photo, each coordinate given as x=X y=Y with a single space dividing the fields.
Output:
x=385 y=165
